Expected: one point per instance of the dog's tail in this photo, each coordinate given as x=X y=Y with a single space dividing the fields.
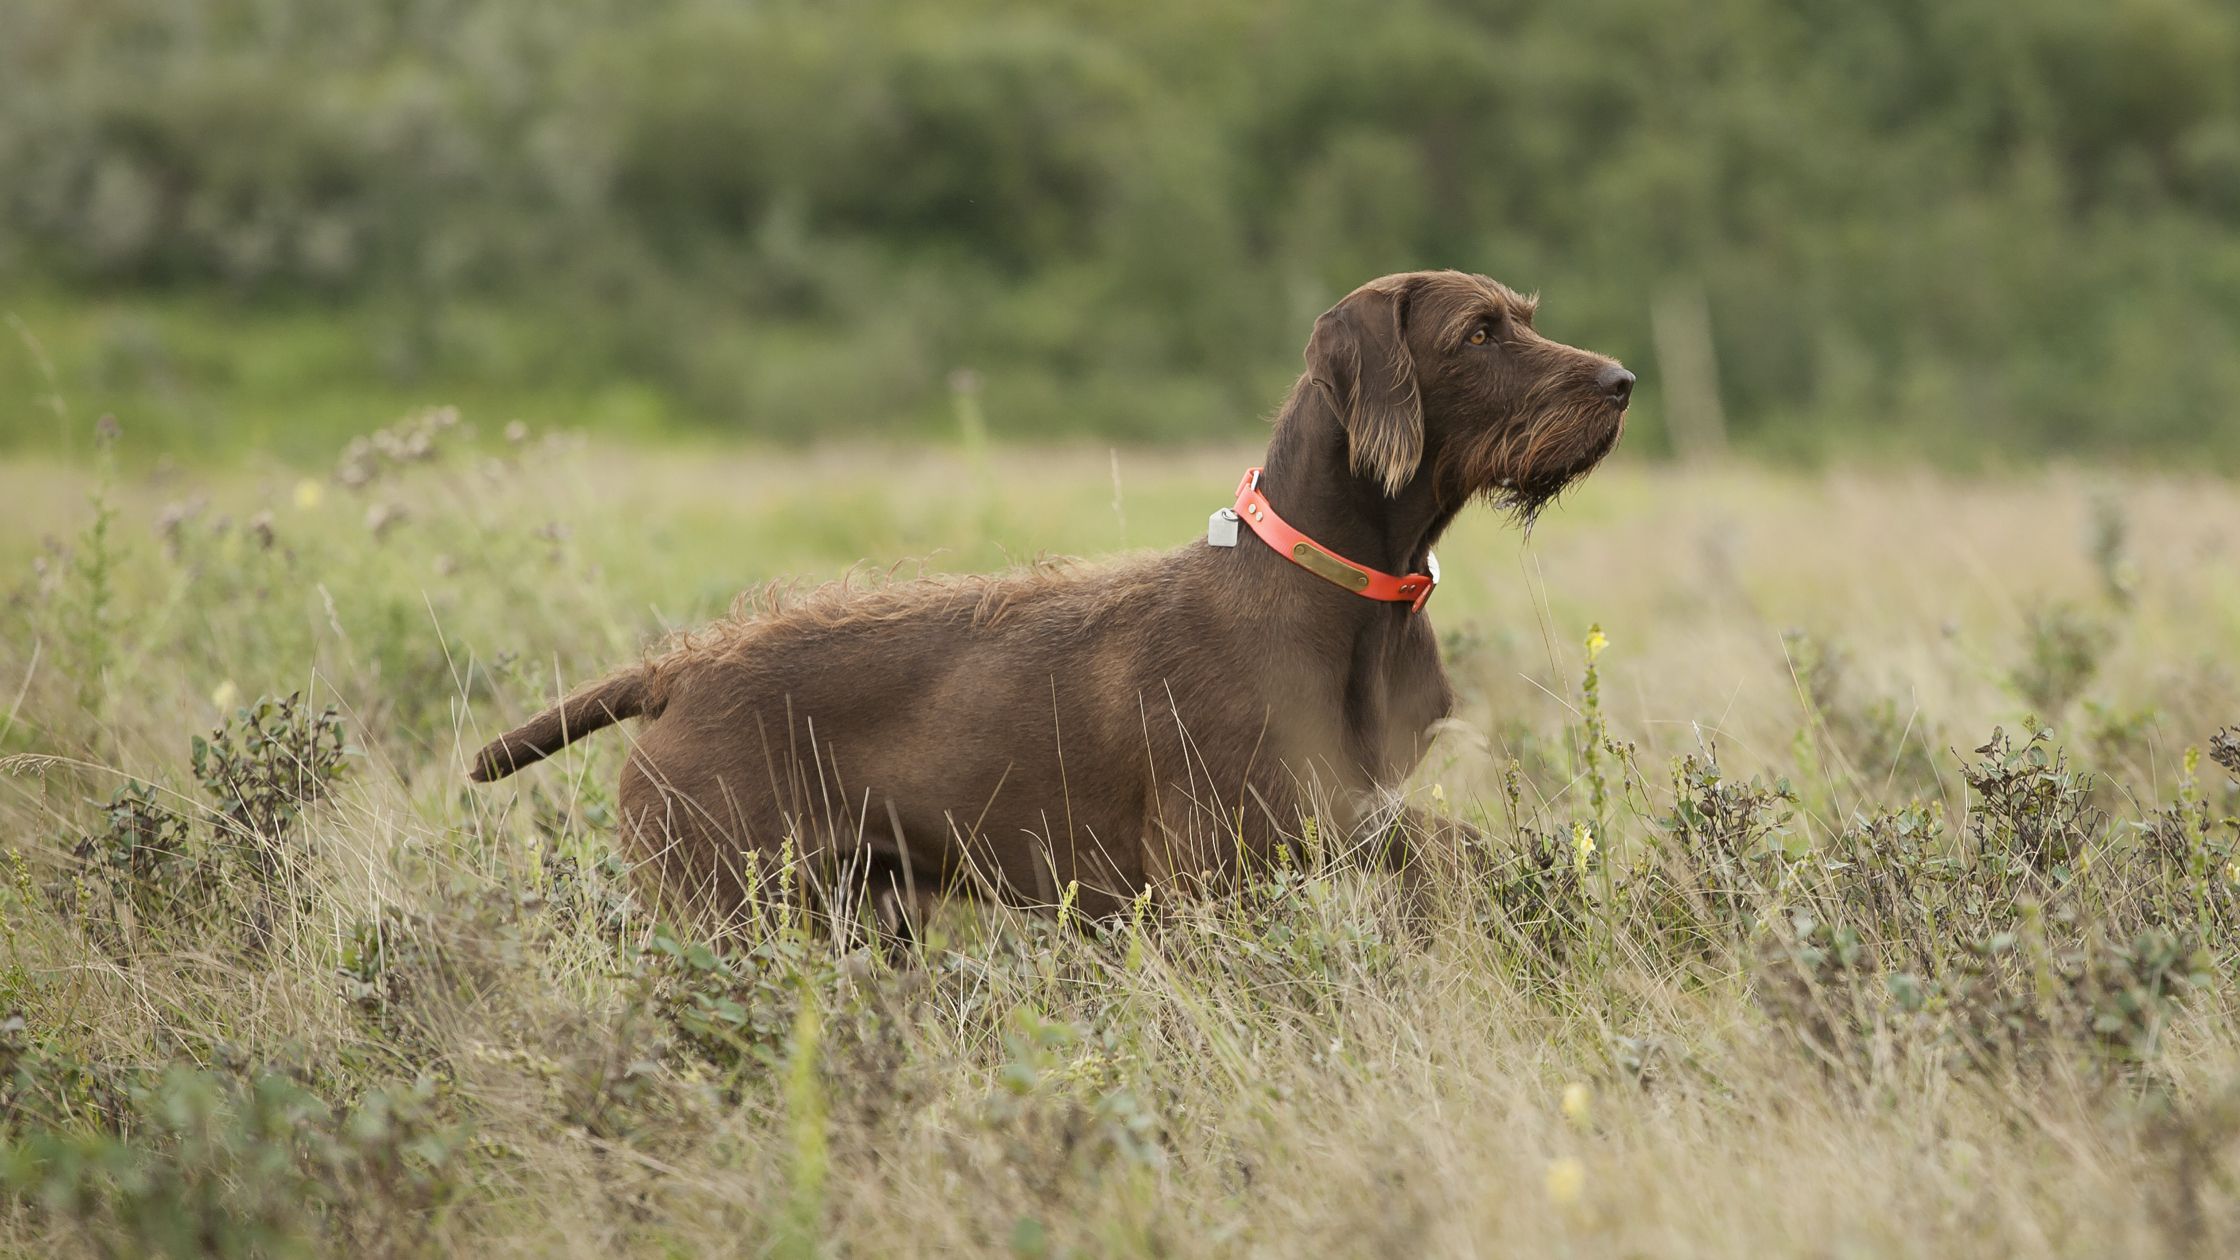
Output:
x=602 y=704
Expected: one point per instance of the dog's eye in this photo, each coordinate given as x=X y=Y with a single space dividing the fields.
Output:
x=1482 y=334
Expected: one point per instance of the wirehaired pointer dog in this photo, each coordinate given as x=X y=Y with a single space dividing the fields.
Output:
x=1150 y=723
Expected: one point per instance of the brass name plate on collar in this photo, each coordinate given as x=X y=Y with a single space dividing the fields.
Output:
x=1322 y=566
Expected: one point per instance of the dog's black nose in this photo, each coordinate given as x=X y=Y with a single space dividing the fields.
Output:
x=1617 y=383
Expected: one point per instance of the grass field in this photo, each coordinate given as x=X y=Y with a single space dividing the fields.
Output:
x=1773 y=947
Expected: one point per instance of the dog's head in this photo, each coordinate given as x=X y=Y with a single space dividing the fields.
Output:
x=1441 y=374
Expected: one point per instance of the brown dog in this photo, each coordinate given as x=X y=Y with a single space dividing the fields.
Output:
x=1143 y=724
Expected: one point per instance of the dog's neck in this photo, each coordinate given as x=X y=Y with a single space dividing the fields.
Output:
x=1311 y=482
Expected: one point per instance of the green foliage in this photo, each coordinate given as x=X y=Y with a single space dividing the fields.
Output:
x=810 y=1155
x=89 y=633
x=2133 y=991
x=1594 y=733
x=140 y=845
x=202 y=1164
x=737 y=1008
x=2032 y=818
x=1055 y=1096
x=184 y=1161
x=1727 y=845
x=2062 y=652
x=262 y=769
x=160 y=863
x=268 y=763
x=2111 y=552
x=1535 y=898
x=2224 y=749
x=1960 y=228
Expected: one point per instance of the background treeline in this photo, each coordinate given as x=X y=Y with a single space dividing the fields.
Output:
x=1973 y=229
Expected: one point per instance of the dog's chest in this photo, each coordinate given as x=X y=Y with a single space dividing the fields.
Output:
x=1364 y=707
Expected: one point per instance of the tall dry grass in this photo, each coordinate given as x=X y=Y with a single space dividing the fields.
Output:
x=1768 y=949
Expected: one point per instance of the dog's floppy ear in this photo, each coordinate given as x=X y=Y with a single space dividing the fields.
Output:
x=1360 y=355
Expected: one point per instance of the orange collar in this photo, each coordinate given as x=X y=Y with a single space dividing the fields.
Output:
x=1253 y=509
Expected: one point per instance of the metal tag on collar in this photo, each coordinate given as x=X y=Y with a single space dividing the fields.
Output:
x=1431 y=571
x=1221 y=528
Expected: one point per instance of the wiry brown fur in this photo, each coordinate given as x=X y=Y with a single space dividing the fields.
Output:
x=1142 y=723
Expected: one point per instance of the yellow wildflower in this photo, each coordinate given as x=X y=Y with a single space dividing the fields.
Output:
x=1578 y=1104
x=1582 y=843
x=308 y=494
x=1567 y=1180
x=226 y=696
x=1596 y=641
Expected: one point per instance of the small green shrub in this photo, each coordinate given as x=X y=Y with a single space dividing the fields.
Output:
x=1813 y=982
x=1064 y=1118
x=189 y=1162
x=144 y=866
x=2111 y=552
x=267 y=764
x=163 y=863
x=734 y=1008
x=1722 y=852
x=2224 y=749
x=1536 y=899
x=2129 y=992
x=2062 y=650
x=2031 y=817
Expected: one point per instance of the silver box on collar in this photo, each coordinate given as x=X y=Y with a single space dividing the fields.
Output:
x=1221 y=528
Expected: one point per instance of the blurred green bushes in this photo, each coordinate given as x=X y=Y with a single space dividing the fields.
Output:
x=1961 y=228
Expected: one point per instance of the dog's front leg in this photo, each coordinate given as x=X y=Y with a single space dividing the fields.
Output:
x=1399 y=836
x=1419 y=833
x=1424 y=850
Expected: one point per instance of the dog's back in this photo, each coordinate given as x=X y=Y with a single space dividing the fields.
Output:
x=943 y=720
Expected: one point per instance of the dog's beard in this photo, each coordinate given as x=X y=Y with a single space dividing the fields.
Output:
x=1521 y=469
